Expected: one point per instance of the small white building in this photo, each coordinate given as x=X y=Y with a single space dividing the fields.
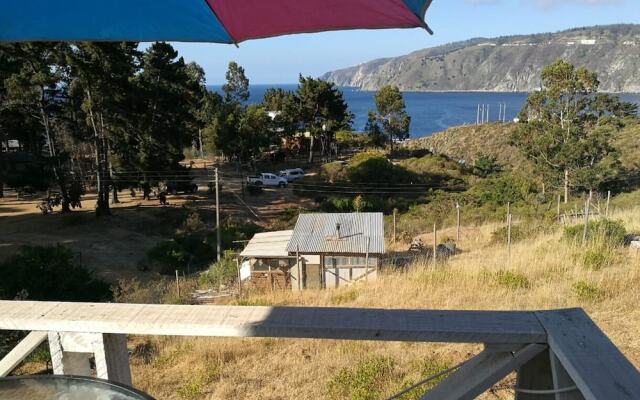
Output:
x=324 y=250
x=266 y=263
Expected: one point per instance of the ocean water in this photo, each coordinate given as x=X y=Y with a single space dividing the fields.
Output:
x=430 y=112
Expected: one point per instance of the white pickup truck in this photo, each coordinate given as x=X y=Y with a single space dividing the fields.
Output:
x=267 y=179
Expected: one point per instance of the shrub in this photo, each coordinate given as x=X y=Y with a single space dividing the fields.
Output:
x=597 y=257
x=49 y=273
x=586 y=291
x=434 y=170
x=195 y=386
x=500 y=235
x=486 y=164
x=237 y=230
x=501 y=189
x=195 y=248
x=337 y=204
x=182 y=253
x=149 y=292
x=376 y=168
x=333 y=172
x=511 y=280
x=604 y=231
x=221 y=273
x=193 y=224
x=429 y=367
x=344 y=297
x=365 y=381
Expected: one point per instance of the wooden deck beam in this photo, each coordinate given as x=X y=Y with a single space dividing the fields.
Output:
x=595 y=364
x=20 y=352
x=286 y=322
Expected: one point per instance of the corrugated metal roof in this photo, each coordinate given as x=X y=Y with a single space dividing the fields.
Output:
x=268 y=244
x=317 y=234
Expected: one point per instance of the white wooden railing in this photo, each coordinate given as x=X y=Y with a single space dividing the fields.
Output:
x=559 y=355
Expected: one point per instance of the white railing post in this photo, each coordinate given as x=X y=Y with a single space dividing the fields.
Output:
x=70 y=353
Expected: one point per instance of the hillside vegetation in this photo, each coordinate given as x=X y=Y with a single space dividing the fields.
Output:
x=510 y=63
x=545 y=271
x=466 y=142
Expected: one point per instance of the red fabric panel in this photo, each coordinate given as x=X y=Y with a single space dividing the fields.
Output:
x=250 y=19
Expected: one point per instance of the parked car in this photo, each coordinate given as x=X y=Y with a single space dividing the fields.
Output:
x=175 y=187
x=267 y=179
x=292 y=174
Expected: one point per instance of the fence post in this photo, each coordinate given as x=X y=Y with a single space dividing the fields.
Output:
x=558 y=207
x=239 y=277
x=509 y=217
x=435 y=244
x=457 y=222
x=366 y=260
x=395 y=211
x=177 y=283
x=586 y=219
x=608 y=201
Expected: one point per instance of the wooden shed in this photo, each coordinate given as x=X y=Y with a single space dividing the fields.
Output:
x=266 y=264
x=348 y=247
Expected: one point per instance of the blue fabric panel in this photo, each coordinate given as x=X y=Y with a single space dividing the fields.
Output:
x=113 y=20
x=417 y=6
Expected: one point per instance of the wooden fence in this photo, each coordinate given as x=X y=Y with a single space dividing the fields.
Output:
x=558 y=355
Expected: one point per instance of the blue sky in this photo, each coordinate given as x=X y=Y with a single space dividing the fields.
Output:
x=280 y=60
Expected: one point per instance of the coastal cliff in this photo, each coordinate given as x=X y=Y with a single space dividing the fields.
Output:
x=507 y=63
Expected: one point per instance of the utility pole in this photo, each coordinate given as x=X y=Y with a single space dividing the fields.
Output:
x=218 y=233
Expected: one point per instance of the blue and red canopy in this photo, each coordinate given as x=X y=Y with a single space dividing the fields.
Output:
x=221 y=21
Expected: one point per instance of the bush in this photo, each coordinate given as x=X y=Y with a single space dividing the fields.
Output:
x=337 y=204
x=428 y=367
x=500 y=235
x=485 y=165
x=511 y=280
x=604 y=231
x=182 y=253
x=597 y=257
x=365 y=381
x=193 y=224
x=434 y=170
x=223 y=273
x=237 y=230
x=586 y=291
x=500 y=190
x=333 y=172
x=49 y=273
x=376 y=168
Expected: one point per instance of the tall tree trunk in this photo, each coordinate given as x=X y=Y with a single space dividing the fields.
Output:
x=311 y=150
x=58 y=173
x=114 y=197
x=566 y=186
x=102 y=204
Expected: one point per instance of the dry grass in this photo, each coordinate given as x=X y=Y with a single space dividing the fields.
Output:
x=542 y=273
